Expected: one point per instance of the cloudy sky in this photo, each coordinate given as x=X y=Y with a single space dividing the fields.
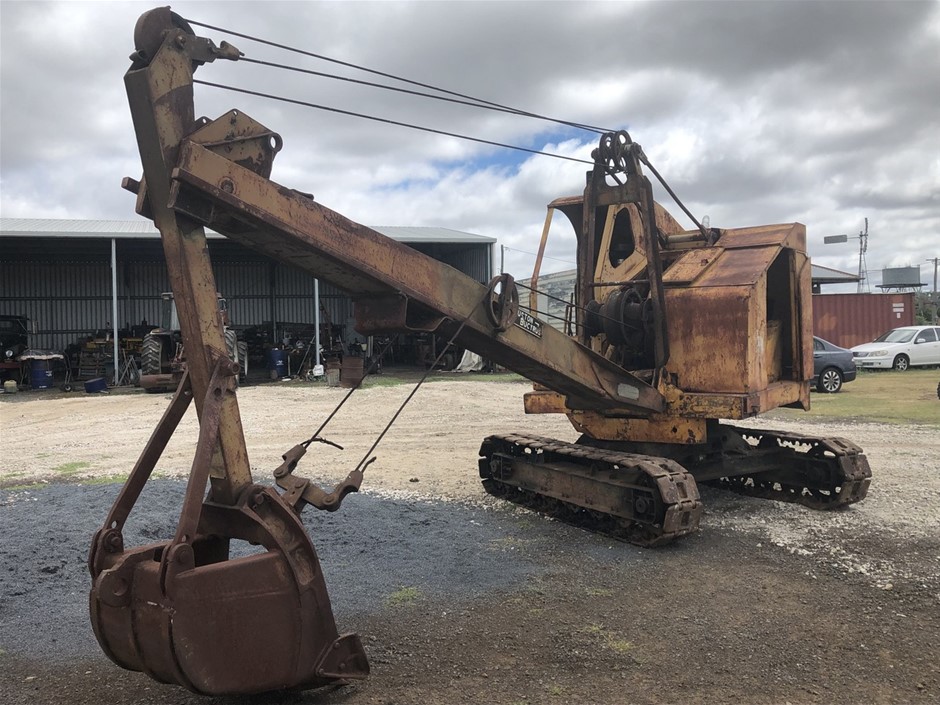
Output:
x=755 y=112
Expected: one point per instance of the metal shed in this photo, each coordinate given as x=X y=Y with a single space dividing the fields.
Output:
x=71 y=278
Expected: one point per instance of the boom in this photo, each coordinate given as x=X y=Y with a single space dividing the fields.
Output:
x=395 y=287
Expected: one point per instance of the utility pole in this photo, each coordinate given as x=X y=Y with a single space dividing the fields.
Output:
x=862 y=249
x=935 y=260
x=862 y=265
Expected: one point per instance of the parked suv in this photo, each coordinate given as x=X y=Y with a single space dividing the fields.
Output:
x=832 y=366
x=900 y=348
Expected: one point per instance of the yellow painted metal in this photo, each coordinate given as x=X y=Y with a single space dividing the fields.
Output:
x=544 y=402
x=161 y=99
x=536 y=270
x=405 y=285
x=658 y=428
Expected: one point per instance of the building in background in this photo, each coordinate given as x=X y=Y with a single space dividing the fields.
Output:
x=80 y=279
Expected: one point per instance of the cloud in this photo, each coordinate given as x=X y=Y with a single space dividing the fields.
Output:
x=776 y=111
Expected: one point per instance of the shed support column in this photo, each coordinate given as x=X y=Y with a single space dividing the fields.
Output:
x=114 y=311
x=316 y=320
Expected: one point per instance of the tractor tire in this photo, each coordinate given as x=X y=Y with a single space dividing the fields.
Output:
x=231 y=345
x=151 y=355
x=242 y=348
x=151 y=359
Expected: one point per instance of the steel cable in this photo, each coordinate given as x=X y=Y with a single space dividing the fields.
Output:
x=458 y=98
x=475 y=101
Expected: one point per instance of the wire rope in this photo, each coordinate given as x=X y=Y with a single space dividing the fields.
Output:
x=478 y=101
x=387 y=121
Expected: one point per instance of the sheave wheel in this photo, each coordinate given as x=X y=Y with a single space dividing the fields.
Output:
x=830 y=381
x=901 y=363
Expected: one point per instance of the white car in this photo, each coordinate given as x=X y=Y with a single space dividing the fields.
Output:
x=900 y=348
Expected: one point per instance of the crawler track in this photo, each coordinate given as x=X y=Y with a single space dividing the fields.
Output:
x=643 y=499
x=816 y=471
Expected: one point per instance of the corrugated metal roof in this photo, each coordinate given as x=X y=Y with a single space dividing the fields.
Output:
x=827 y=275
x=429 y=234
x=34 y=227
x=131 y=229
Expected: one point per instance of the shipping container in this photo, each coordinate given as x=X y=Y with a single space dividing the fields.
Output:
x=853 y=319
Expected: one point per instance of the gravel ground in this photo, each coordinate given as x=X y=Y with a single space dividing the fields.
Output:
x=768 y=603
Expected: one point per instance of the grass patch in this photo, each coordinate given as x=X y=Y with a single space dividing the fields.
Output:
x=20 y=488
x=71 y=468
x=403 y=596
x=621 y=646
x=882 y=397
x=383 y=381
x=105 y=480
x=609 y=640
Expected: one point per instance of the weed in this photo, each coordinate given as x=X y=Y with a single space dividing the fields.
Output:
x=403 y=596
x=20 y=488
x=599 y=592
x=621 y=646
x=71 y=468
x=105 y=480
x=609 y=640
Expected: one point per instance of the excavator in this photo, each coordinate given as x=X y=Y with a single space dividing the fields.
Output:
x=677 y=335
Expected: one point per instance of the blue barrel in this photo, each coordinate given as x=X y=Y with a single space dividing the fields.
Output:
x=98 y=384
x=40 y=376
x=277 y=363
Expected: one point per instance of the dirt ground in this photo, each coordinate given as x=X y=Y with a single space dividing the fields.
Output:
x=768 y=603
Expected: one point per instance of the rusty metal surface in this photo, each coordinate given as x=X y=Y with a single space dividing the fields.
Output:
x=656 y=429
x=290 y=227
x=186 y=610
x=160 y=94
x=646 y=500
x=183 y=610
x=727 y=333
x=224 y=626
x=815 y=471
x=299 y=492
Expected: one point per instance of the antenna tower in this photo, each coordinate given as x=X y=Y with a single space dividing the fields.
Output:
x=862 y=264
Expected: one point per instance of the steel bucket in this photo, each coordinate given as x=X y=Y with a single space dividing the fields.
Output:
x=185 y=612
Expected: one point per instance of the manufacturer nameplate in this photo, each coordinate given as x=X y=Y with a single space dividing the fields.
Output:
x=529 y=324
